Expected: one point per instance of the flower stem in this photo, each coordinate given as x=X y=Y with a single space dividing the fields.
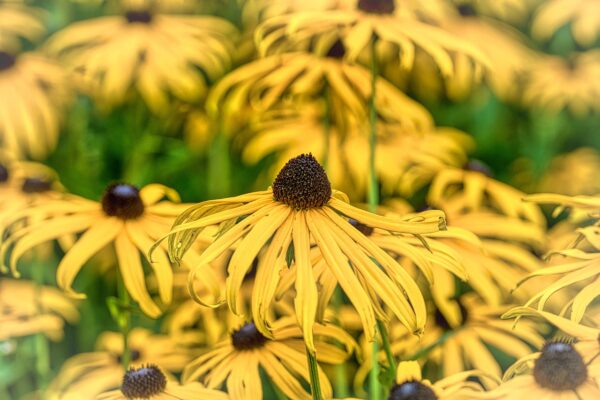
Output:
x=391 y=372
x=313 y=369
x=124 y=322
x=219 y=168
x=42 y=349
x=341 y=370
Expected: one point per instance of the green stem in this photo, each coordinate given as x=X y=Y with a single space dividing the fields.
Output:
x=42 y=361
x=219 y=169
x=387 y=348
x=124 y=322
x=341 y=370
x=313 y=369
x=373 y=200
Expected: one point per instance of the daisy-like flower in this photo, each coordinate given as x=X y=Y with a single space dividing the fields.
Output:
x=300 y=210
x=191 y=324
x=237 y=359
x=129 y=218
x=160 y=56
x=555 y=84
x=410 y=385
x=581 y=263
x=34 y=94
x=26 y=310
x=398 y=33
x=149 y=383
x=261 y=84
x=86 y=375
x=558 y=372
x=582 y=16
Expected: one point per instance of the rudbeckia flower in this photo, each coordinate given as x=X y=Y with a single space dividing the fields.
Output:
x=148 y=382
x=555 y=84
x=300 y=210
x=582 y=16
x=129 y=218
x=263 y=83
x=26 y=310
x=191 y=324
x=237 y=360
x=86 y=375
x=160 y=56
x=399 y=34
x=410 y=385
x=34 y=94
x=580 y=266
x=558 y=372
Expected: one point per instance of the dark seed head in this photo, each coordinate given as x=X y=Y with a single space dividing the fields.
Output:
x=7 y=60
x=479 y=166
x=302 y=184
x=412 y=390
x=36 y=185
x=337 y=50
x=143 y=383
x=362 y=228
x=443 y=323
x=247 y=337
x=466 y=10
x=377 y=6
x=3 y=173
x=560 y=367
x=138 y=16
x=123 y=201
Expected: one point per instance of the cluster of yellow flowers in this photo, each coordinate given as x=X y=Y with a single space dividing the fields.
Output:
x=328 y=283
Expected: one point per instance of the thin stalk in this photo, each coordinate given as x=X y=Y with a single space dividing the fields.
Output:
x=341 y=370
x=42 y=349
x=124 y=322
x=387 y=348
x=219 y=168
x=313 y=370
x=373 y=200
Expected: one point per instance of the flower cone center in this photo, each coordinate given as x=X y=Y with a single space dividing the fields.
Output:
x=123 y=201
x=412 y=390
x=337 y=50
x=143 y=383
x=377 y=6
x=560 y=367
x=138 y=16
x=4 y=175
x=7 y=60
x=36 y=185
x=247 y=338
x=302 y=184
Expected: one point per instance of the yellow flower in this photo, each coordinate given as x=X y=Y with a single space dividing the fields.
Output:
x=148 y=382
x=129 y=218
x=34 y=94
x=554 y=83
x=579 y=267
x=17 y=21
x=582 y=16
x=573 y=173
x=558 y=372
x=411 y=385
x=399 y=33
x=261 y=84
x=86 y=375
x=26 y=310
x=511 y=11
x=191 y=324
x=300 y=210
x=159 y=55
x=237 y=359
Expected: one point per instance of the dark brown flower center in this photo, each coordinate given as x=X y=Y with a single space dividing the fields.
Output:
x=7 y=60
x=443 y=323
x=123 y=201
x=247 y=338
x=466 y=10
x=143 y=383
x=337 y=50
x=560 y=367
x=302 y=184
x=479 y=166
x=412 y=390
x=36 y=185
x=362 y=228
x=3 y=173
x=138 y=16
x=377 y=6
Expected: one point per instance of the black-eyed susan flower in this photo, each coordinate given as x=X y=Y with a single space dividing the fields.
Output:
x=236 y=360
x=191 y=324
x=158 y=55
x=126 y=217
x=148 y=382
x=410 y=385
x=581 y=261
x=559 y=371
x=34 y=94
x=285 y=221
x=555 y=84
x=397 y=29
x=582 y=16
x=86 y=375
x=26 y=310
